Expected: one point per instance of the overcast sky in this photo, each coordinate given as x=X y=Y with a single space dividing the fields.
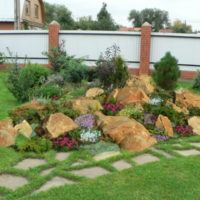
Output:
x=188 y=10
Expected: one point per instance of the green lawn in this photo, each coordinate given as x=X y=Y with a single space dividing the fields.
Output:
x=7 y=100
x=188 y=86
x=168 y=179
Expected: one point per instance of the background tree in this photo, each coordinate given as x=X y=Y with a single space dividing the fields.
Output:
x=157 y=18
x=59 y=13
x=181 y=27
x=85 y=23
x=104 y=20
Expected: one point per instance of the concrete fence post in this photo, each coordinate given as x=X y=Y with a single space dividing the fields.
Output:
x=145 y=48
x=54 y=29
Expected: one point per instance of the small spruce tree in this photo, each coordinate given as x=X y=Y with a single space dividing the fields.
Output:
x=166 y=72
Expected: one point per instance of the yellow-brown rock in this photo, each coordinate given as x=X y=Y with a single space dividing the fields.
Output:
x=33 y=104
x=7 y=133
x=142 y=82
x=178 y=109
x=187 y=99
x=164 y=123
x=194 y=122
x=130 y=96
x=24 y=128
x=94 y=92
x=55 y=125
x=121 y=129
x=84 y=105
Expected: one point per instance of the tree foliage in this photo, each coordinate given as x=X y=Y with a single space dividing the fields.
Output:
x=59 y=13
x=166 y=72
x=181 y=27
x=157 y=18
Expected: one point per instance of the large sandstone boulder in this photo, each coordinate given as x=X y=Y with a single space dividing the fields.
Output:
x=24 y=128
x=84 y=105
x=7 y=133
x=194 y=122
x=128 y=133
x=187 y=99
x=94 y=92
x=55 y=125
x=177 y=108
x=143 y=82
x=130 y=96
x=164 y=123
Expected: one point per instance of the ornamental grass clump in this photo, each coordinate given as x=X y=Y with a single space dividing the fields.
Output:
x=182 y=130
x=112 y=108
x=85 y=121
x=88 y=136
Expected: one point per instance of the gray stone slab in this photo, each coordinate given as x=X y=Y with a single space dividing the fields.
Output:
x=106 y=155
x=90 y=172
x=145 y=158
x=12 y=181
x=163 y=152
x=46 y=171
x=1 y=196
x=188 y=152
x=177 y=144
x=79 y=162
x=196 y=144
x=29 y=163
x=54 y=182
x=121 y=164
x=62 y=156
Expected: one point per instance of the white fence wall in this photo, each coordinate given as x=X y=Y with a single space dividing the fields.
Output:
x=90 y=44
x=24 y=44
x=185 y=47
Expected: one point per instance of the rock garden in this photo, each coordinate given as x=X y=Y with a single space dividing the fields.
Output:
x=77 y=122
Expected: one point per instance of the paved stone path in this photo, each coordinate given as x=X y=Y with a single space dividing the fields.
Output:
x=14 y=181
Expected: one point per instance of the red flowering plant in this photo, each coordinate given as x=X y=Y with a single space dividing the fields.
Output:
x=64 y=143
x=182 y=130
x=55 y=98
x=112 y=108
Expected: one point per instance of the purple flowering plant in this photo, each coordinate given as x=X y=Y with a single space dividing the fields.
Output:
x=85 y=121
x=161 y=138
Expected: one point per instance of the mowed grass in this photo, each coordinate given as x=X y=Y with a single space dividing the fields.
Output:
x=7 y=100
x=187 y=86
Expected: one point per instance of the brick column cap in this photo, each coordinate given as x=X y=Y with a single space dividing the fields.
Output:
x=54 y=22
x=146 y=24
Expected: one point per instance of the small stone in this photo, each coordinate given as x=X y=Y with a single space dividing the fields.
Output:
x=121 y=164
x=145 y=158
x=94 y=92
x=62 y=156
x=188 y=152
x=79 y=162
x=54 y=182
x=106 y=155
x=163 y=152
x=90 y=172
x=46 y=171
x=12 y=181
x=194 y=122
x=29 y=163
x=24 y=128
x=197 y=144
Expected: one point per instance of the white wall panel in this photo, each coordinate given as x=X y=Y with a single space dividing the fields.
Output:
x=90 y=45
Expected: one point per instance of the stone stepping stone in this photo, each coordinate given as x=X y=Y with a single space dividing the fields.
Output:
x=46 y=171
x=145 y=158
x=177 y=144
x=54 y=182
x=163 y=152
x=106 y=155
x=188 y=152
x=79 y=162
x=121 y=164
x=196 y=144
x=1 y=196
x=29 y=163
x=62 y=156
x=91 y=172
x=12 y=181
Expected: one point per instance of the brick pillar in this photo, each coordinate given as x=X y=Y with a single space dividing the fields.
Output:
x=145 y=48
x=54 y=29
